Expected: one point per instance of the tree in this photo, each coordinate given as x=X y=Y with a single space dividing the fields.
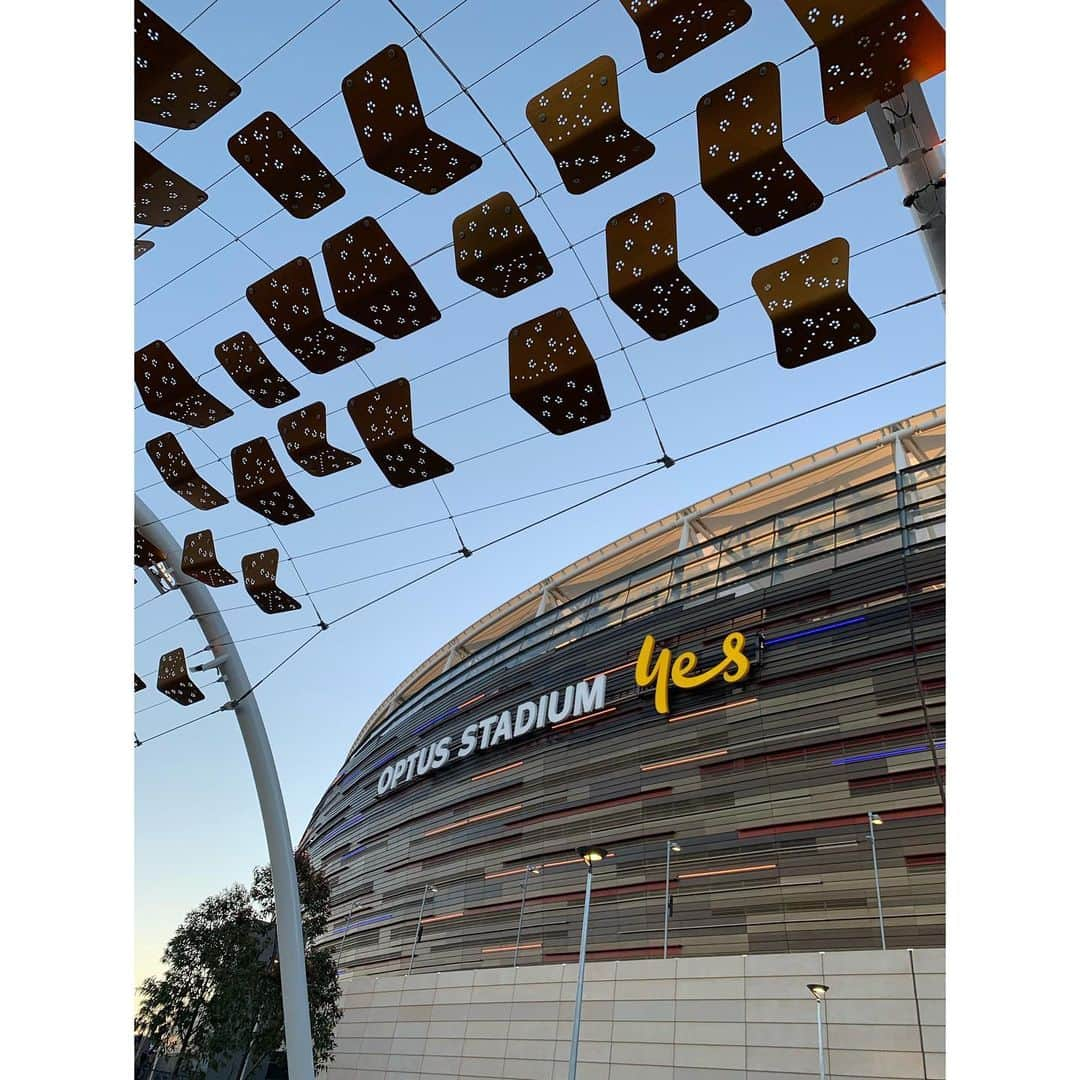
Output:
x=219 y=1000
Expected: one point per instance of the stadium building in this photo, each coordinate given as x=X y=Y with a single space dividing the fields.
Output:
x=733 y=786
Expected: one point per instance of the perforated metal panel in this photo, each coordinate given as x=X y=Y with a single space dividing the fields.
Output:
x=161 y=195
x=146 y=553
x=283 y=165
x=390 y=127
x=199 y=560
x=304 y=434
x=173 y=679
x=744 y=166
x=869 y=49
x=142 y=247
x=139 y=684
x=806 y=298
x=287 y=300
x=553 y=375
x=261 y=485
x=579 y=122
x=644 y=278
x=373 y=284
x=179 y=474
x=260 y=580
x=175 y=84
x=674 y=30
x=246 y=364
x=495 y=248
x=168 y=389
x=383 y=417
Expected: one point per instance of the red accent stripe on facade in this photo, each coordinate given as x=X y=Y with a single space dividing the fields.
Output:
x=643 y=953
x=838 y=822
x=889 y=779
x=935 y=858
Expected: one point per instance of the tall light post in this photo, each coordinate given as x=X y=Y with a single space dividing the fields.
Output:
x=525 y=875
x=874 y=818
x=818 y=992
x=590 y=854
x=420 y=924
x=672 y=845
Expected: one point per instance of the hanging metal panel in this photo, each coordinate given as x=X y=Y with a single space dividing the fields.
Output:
x=260 y=580
x=261 y=485
x=168 y=389
x=161 y=195
x=674 y=30
x=246 y=364
x=173 y=679
x=304 y=434
x=179 y=474
x=199 y=560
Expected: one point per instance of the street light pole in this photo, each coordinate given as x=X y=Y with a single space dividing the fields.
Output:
x=875 y=819
x=521 y=914
x=818 y=991
x=671 y=846
x=590 y=855
x=419 y=924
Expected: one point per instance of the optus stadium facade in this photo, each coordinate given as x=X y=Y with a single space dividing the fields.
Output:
x=732 y=788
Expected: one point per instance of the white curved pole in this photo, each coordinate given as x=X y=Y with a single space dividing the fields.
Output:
x=294 y=996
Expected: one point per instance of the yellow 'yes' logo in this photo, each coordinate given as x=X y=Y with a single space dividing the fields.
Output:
x=734 y=668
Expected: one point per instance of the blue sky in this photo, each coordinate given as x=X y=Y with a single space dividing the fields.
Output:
x=197 y=822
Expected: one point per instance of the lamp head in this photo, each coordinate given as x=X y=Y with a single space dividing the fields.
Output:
x=818 y=990
x=674 y=844
x=592 y=853
x=534 y=869
x=876 y=818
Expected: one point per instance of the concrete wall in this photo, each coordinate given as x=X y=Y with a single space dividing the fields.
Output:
x=700 y=1018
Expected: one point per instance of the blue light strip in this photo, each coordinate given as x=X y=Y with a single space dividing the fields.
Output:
x=438 y=720
x=365 y=765
x=363 y=922
x=350 y=854
x=319 y=841
x=886 y=753
x=814 y=630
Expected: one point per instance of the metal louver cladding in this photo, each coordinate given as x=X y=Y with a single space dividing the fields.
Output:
x=383 y=416
x=261 y=485
x=674 y=30
x=579 y=122
x=168 y=389
x=644 y=278
x=260 y=580
x=287 y=300
x=806 y=298
x=553 y=375
x=869 y=49
x=390 y=127
x=745 y=169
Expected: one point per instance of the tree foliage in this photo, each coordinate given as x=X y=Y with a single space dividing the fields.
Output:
x=219 y=999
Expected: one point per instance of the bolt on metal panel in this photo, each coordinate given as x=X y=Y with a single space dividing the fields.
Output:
x=674 y=30
x=745 y=169
x=199 y=560
x=553 y=375
x=261 y=485
x=373 y=283
x=173 y=679
x=390 y=127
x=247 y=365
x=287 y=300
x=870 y=49
x=281 y=164
x=579 y=122
x=304 y=434
x=644 y=278
x=176 y=85
x=161 y=195
x=383 y=416
x=168 y=389
x=179 y=474
x=260 y=579
x=806 y=298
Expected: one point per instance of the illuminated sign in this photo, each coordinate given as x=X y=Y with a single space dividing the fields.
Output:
x=679 y=670
x=585 y=697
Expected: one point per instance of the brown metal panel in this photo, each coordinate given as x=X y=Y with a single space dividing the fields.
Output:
x=495 y=248
x=260 y=580
x=168 y=389
x=179 y=474
x=146 y=554
x=383 y=416
x=274 y=157
x=199 y=560
x=304 y=434
x=373 y=283
x=870 y=49
x=161 y=195
x=246 y=364
x=261 y=485
x=674 y=30
x=553 y=375
x=142 y=247
x=173 y=679
x=390 y=127
x=175 y=84
x=745 y=169
x=287 y=300
x=806 y=299
x=139 y=684
x=578 y=120
x=644 y=278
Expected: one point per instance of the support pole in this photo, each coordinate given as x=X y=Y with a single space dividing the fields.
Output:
x=419 y=924
x=575 y=1031
x=204 y=609
x=910 y=143
x=521 y=913
x=877 y=878
x=820 y=1041
x=667 y=895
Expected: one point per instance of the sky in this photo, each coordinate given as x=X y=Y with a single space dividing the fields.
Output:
x=198 y=827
